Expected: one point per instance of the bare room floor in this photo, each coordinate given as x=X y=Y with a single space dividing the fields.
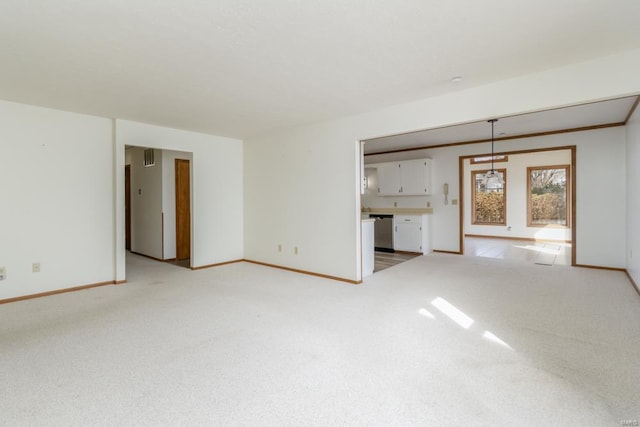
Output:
x=437 y=340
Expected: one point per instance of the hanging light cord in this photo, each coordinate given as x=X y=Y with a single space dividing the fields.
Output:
x=492 y=121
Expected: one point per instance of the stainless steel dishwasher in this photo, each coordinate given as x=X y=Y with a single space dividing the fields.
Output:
x=383 y=233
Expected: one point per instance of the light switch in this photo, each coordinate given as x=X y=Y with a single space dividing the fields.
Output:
x=454 y=201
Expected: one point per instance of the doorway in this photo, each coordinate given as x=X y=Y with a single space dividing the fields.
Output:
x=150 y=204
x=531 y=216
x=183 y=211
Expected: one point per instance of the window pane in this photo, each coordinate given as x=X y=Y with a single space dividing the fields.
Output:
x=487 y=159
x=548 y=196
x=489 y=204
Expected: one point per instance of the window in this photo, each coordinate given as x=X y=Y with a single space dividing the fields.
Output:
x=487 y=159
x=488 y=204
x=547 y=196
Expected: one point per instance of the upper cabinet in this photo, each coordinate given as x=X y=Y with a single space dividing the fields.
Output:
x=406 y=178
x=416 y=177
x=389 y=179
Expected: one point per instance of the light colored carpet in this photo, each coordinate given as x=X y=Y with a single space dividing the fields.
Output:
x=244 y=344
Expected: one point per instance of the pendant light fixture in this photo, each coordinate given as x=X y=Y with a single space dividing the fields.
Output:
x=492 y=180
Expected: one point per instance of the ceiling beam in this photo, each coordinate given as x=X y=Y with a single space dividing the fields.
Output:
x=527 y=135
x=632 y=109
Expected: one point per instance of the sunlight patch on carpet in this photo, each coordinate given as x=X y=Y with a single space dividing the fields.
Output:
x=426 y=313
x=452 y=312
x=491 y=337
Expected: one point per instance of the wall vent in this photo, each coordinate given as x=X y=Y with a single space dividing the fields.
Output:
x=149 y=158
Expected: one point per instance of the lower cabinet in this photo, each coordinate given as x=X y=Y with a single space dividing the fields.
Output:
x=368 y=254
x=411 y=233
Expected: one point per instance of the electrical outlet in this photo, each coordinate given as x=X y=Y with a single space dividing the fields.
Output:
x=295 y=250
x=395 y=204
x=279 y=248
x=35 y=267
x=3 y=273
x=428 y=204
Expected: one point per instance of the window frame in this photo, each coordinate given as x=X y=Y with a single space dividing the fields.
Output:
x=498 y=158
x=567 y=171
x=474 y=173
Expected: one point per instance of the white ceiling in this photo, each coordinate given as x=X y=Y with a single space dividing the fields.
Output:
x=613 y=111
x=244 y=67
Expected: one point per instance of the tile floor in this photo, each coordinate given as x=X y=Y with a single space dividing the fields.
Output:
x=385 y=260
x=543 y=253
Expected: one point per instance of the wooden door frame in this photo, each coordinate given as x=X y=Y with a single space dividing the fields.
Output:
x=177 y=162
x=573 y=168
x=127 y=203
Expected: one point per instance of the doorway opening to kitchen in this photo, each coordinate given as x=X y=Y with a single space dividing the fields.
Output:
x=394 y=208
x=595 y=129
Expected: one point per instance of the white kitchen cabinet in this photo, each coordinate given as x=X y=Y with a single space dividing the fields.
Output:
x=389 y=182
x=416 y=177
x=411 y=233
x=406 y=178
x=368 y=254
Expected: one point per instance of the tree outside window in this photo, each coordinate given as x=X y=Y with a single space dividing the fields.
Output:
x=488 y=204
x=547 y=196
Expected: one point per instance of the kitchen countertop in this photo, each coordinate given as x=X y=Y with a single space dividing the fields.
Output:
x=397 y=211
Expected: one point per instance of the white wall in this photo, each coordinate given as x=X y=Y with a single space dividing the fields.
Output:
x=516 y=168
x=216 y=189
x=302 y=186
x=57 y=192
x=169 y=199
x=63 y=182
x=146 y=204
x=300 y=192
x=633 y=196
x=127 y=155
